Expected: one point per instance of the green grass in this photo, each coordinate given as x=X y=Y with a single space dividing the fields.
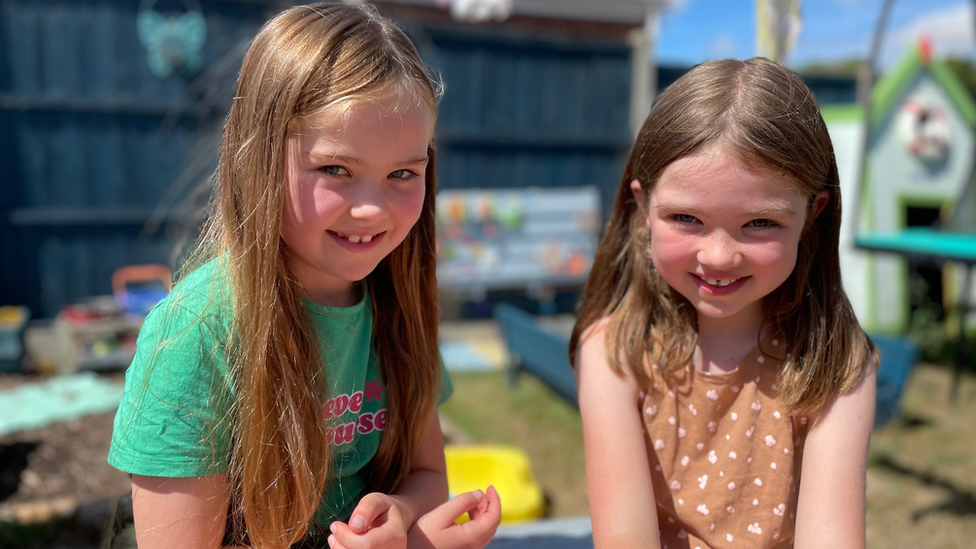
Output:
x=922 y=471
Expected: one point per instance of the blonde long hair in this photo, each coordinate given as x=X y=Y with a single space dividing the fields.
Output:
x=767 y=117
x=305 y=61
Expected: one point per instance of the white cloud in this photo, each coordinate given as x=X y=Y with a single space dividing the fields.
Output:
x=722 y=47
x=950 y=28
x=676 y=6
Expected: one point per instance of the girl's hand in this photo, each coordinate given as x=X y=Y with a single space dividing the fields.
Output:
x=436 y=529
x=376 y=523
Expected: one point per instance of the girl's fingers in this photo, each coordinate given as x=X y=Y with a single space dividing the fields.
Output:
x=489 y=507
x=346 y=538
x=446 y=513
x=369 y=509
x=485 y=518
x=340 y=532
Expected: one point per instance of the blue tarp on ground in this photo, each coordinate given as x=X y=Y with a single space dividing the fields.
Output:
x=61 y=398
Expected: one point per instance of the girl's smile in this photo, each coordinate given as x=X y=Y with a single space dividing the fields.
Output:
x=357 y=242
x=719 y=286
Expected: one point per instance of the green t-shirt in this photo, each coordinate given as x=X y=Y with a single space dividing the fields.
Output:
x=178 y=390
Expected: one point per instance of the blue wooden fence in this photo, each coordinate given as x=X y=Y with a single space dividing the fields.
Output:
x=100 y=155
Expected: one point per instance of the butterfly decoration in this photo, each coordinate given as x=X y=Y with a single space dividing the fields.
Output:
x=174 y=43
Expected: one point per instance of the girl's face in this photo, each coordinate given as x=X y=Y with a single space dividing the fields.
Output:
x=723 y=235
x=354 y=189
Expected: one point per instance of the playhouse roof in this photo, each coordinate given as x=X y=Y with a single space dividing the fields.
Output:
x=916 y=59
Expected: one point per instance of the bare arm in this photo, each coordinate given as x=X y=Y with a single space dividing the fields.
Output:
x=179 y=512
x=618 y=475
x=426 y=486
x=830 y=511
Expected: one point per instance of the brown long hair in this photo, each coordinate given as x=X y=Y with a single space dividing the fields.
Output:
x=766 y=116
x=306 y=61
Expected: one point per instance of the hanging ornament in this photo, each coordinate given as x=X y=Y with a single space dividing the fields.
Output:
x=173 y=42
x=924 y=128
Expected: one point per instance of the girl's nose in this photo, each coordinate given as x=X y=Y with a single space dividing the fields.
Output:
x=719 y=251
x=370 y=203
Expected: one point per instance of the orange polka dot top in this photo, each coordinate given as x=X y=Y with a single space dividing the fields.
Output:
x=724 y=455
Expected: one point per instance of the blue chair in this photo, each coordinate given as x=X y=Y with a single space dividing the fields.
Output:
x=898 y=356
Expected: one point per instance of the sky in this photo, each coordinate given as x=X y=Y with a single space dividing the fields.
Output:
x=694 y=31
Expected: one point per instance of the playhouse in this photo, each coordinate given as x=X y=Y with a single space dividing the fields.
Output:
x=914 y=204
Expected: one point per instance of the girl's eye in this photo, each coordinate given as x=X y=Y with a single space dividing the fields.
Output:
x=402 y=174
x=683 y=218
x=334 y=170
x=763 y=224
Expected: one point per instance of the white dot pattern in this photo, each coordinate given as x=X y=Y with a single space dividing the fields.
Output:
x=725 y=443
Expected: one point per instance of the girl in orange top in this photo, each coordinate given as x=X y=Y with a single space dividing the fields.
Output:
x=716 y=351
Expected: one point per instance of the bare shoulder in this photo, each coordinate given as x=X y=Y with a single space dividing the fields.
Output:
x=595 y=334
x=856 y=404
x=597 y=381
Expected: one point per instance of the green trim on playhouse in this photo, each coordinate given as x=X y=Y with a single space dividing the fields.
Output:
x=904 y=201
x=842 y=113
x=866 y=221
x=956 y=91
x=889 y=89
x=871 y=272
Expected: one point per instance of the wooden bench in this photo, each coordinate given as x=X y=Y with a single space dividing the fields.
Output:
x=536 y=350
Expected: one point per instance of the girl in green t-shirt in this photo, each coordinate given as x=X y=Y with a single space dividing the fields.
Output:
x=323 y=203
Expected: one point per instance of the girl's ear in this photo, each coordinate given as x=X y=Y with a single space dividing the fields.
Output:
x=638 y=192
x=819 y=203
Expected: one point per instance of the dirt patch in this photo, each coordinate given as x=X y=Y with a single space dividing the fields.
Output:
x=55 y=481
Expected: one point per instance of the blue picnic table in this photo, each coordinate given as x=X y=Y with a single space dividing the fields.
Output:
x=938 y=246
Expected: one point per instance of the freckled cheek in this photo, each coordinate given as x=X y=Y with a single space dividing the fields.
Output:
x=409 y=203
x=774 y=257
x=671 y=252
x=311 y=206
x=325 y=204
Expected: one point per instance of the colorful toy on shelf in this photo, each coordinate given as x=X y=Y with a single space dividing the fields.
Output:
x=516 y=239
x=94 y=334
x=137 y=288
x=507 y=468
x=13 y=320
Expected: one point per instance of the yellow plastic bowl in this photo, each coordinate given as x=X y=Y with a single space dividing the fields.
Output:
x=507 y=468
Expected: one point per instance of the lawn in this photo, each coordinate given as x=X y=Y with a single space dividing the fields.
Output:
x=921 y=472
